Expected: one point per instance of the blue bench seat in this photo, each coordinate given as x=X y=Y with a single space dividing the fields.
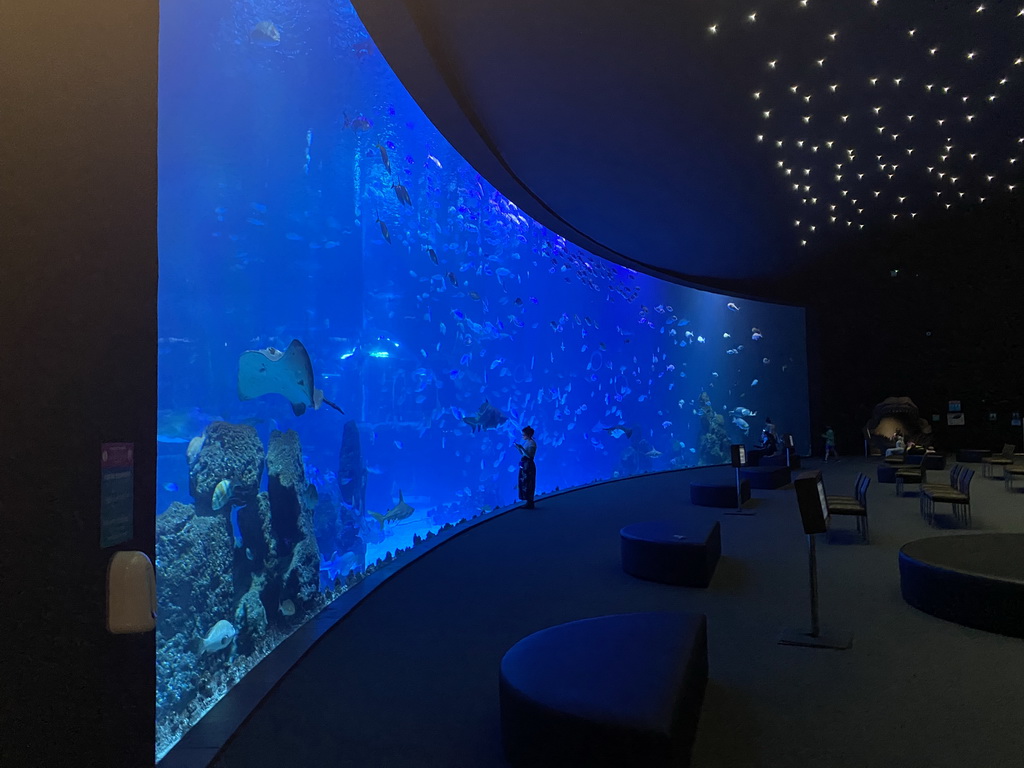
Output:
x=620 y=690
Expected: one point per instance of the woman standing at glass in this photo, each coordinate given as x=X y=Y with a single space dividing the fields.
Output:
x=527 y=467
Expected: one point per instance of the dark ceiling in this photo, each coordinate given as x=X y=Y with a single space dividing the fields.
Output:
x=716 y=140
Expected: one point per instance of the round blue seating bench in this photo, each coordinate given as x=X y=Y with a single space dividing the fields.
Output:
x=976 y=580
x=621 y=690
x=766 y=478
x=669 y=552
x=887 y=473
x=718 y=495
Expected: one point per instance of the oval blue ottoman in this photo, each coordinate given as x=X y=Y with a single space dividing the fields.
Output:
x=766 y=478
x=684 y=554
x=621 y=690
x=718 y=495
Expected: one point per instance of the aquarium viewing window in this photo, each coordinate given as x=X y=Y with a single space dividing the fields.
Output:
x=355 y=326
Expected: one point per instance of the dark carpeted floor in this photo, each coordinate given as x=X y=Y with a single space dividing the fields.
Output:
x=409 y=678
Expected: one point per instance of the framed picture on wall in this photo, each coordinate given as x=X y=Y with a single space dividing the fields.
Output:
x=955 y=419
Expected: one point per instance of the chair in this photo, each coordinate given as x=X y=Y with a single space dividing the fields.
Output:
x=911 y=474
x=959 y=498
x=954 y=475
x=1004 y=459
x=856 y=506
x=1009 y=473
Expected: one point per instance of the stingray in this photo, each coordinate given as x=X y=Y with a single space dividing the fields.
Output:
x=487 y=417
x=289 y=374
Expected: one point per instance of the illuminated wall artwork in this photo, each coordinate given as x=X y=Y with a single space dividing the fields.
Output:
x=305 y=198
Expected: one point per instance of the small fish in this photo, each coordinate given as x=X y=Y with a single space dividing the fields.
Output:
x=453 y=279
x=701 y=340
x=756 y=337
x=619 y=431
x=732 y=351
x=432 y=254
x=474 y=295
x=384 y=230
x=435 y=161
x=733 y=307
x=402 y=194
x=170 y=487
x=653 y=453
x=726 y=336
x=666 y=424
x=221 y=494
x=220 y=636
x=753 y=383
x=399 y=444
x=287 y=608
x=767 y=361
x=312 y=496
x=385 y=159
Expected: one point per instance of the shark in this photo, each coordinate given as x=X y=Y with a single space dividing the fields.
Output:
x=338 y=565
x=399 y=512
x=289 y=374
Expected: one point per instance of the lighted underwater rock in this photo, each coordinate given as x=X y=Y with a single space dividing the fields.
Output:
x=229 y=452
x=291 y=519
x=191 y=549
x=713 y=440
x=301 y=580
x=251 y=616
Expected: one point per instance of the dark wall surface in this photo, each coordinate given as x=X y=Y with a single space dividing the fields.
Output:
x=78 y=279
x=932 y=312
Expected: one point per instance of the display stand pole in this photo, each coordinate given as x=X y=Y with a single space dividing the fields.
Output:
x=739 y=500
x=814 y=638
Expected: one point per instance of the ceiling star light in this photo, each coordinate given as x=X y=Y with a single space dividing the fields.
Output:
x=832 y=36
x=772 y=63
x=757 y=94
x=821 y=62
x=713 y=29
x=934 y=50
x=911 y=32
x=752 y=17
x=980 y=8
x=971 y=55
x=873 y=80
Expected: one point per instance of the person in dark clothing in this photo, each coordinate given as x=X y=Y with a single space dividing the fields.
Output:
x=769 y=440
x=527 y=467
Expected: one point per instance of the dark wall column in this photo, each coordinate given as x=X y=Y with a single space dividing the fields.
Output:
x=78 y=279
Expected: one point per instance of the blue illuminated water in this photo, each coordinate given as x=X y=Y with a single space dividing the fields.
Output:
x=280 y=168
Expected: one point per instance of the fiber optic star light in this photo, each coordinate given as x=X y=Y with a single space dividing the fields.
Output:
x=953 y=80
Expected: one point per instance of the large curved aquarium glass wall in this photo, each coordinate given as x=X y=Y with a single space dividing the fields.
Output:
x=354 y=325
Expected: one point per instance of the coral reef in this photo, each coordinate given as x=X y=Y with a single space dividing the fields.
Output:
x=251 y=616
x=713 y=442
x=291 y=519
x=229 y=452
x=191 y=550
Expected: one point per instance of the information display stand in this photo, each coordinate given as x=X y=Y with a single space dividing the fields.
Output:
x=810 y=495
x=739 y=460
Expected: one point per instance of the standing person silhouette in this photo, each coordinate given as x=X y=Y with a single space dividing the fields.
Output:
x=830 y=444
x=769 y=440
x=527 y=467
